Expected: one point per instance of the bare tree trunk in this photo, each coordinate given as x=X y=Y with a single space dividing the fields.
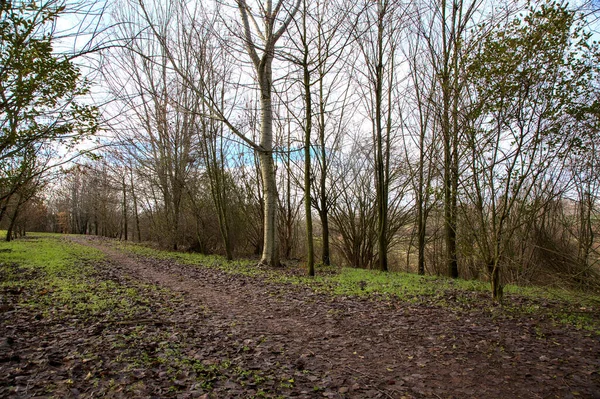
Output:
x=270 y=254
x=420 y=238
x=450 y=223
x=11 y=226
x=586 y=231
x=217 y=182
x=286 y=211
x=125 y=224
x=324 y=206
x=421 y=190
x=448 y=83
x=135 y=208
x=380 y=178
x=310 y=252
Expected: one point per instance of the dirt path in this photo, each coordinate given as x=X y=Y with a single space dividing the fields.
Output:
x=355 y=348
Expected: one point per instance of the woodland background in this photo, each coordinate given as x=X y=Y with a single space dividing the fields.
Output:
x=438 y=137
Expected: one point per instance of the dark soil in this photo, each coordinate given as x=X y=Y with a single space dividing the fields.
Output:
x=236 y=336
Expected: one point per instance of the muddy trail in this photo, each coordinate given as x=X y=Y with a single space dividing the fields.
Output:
x=227 y=335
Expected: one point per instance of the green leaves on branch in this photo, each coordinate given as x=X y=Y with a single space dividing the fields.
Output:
x=38 y=88
x=540 y=67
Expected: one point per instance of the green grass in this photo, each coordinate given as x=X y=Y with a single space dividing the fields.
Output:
x=47 y=253
x=57 y=274
x=238 y=266
x=565 y=307
x=362 y=282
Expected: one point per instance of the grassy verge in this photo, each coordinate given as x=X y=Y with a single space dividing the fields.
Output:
x=238 y=266
x=59 y=276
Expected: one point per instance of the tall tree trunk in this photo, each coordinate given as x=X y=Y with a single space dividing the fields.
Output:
x=324 y=207
x=421 y=220
x=262 y=66
x=450 y=202
x=270 y=254
x=447 y=83
x=125 y=224
x=310 y=255
x=380 y=177
x=286 y=239
x=420 y=240
x=135 y=209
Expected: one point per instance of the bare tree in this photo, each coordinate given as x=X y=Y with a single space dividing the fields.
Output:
x=377 y=36
x=261 y=28
x=316 y=49
x=421 y=125
x=353 y=215
x=445 y=29
x=262 y=55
